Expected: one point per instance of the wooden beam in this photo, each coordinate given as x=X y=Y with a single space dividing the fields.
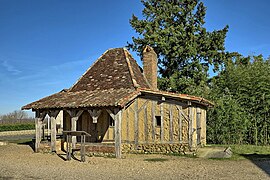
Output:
x=153 y=110
x=136 y=123
x=53 y=114
x=127 y=125
x=145 y=124
x=69 y=147
x=74 y=128
x=143 y=106
x=38 y=124
x=198 y=125
x=95 y=113
x=75 y=115
x=203 y=130
x=162 y=122
x=168 y=100
x=171 y=123
x=111 y=113
x=118 y=121
x=180 y=124
x=190 y=126
x=108 y=131
x=183 y=114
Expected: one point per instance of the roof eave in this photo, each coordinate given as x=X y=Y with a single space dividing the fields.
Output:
x=195 y=99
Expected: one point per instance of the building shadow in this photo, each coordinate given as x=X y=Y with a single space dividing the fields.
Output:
x=262 y=161
x=62 y=156
x=31 y=144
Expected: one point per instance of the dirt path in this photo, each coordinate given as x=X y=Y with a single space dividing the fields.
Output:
x=19 y=162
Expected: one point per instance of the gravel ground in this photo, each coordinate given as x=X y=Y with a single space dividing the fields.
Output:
x=20 y=162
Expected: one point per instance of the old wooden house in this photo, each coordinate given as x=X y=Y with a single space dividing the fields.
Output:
x=119 y=105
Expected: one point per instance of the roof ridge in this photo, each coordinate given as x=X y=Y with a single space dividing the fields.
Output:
x=136 y=85
x=139 y=67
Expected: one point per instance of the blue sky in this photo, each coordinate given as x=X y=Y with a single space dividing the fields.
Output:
x=46 y=45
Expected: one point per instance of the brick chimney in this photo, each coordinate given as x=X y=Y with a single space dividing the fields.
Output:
x=150 y=66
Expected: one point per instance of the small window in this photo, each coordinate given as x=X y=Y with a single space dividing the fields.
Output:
x=158 y=120
x=111 y=121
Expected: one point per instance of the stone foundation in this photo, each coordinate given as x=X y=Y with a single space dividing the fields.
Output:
x=100 y=148
x=109 y=150
x=155 y=148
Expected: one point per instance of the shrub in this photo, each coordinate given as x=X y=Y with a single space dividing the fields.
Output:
x=17 y=127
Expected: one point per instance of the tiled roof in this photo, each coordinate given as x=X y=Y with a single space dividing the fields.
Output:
x=115 y=69
x=113 y=80
x=80 y=99
x=110 y=80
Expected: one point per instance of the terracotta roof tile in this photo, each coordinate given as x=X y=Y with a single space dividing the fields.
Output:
x=113 y=80
x=79 y=99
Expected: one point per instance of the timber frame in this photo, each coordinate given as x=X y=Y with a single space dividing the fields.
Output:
x=114 y=89
x=75 y=114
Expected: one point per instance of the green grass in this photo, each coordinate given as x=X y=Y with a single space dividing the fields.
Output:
x=251 y=152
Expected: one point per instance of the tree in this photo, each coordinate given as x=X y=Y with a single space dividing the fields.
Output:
x=15 y=115
x=185 y=49
x=242 y=96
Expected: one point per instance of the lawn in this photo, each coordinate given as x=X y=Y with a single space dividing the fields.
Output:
x=247 y=151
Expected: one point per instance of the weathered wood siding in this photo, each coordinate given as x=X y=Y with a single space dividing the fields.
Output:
x=139 y=126
x=139 y=122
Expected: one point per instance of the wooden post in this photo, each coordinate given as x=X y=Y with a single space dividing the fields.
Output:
x=127 y=120
x=53 y=114
x=53 y=134
x=180 y=123
x=190 y=125
x=153 y=110
x=203 y=127
x=38 y=124
x=116 y=114
x=74 y=128
x=162 y=122
x=68 y=147
x=74 y=118
x=83 y=147
x=145 y=124
x=198 y=125
x=43 y=132
x=48 y=127
x=136 y=123
x=171 y=123
x=117 y=126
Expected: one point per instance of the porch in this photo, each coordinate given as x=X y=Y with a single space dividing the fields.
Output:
x=103 y=125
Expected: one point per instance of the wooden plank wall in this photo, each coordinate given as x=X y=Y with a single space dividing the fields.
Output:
x=138 y=126
x=139 y=122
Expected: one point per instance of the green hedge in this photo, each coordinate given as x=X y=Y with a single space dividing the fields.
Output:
x=17 y=127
